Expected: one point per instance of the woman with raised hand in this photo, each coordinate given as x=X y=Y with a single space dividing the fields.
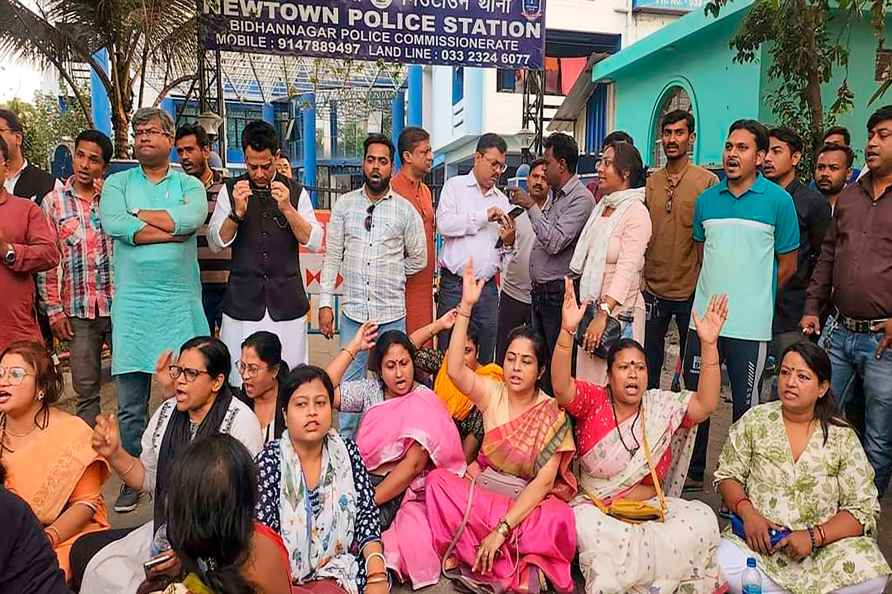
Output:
x=506 y=525
x=796 y=465
x=199 y=402
x=432 y=362
x=635 y=445
x=47 y=451
x=405 y=432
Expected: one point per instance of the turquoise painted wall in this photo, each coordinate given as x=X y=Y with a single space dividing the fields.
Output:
x=721 y=91
x=862 y=55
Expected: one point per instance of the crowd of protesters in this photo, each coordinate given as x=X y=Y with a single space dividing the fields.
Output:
x=496 y=427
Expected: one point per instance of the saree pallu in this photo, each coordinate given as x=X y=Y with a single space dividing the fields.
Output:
x=48 y=473
x=546 y=539
x=676 y=554
x=386 y=433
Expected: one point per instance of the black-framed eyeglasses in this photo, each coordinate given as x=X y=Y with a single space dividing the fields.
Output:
x=190 y=373
x=368 y=219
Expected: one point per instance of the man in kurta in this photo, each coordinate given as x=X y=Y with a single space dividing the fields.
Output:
x=414 y=146
x=152 y=212
x=27 y=245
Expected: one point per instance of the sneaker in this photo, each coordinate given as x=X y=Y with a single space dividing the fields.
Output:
x=127 y=500
x=692 y=486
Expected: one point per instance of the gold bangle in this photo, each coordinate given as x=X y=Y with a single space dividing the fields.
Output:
x=568 y=331
x=352 y=356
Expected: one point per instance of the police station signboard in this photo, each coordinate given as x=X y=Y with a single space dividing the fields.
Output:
x=489 y=33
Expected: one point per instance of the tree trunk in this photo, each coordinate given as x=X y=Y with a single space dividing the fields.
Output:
x=121 y=98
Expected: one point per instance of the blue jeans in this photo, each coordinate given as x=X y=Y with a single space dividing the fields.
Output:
x=484 y=318
x=851 y=354
x=348 y=423
x=134 y=389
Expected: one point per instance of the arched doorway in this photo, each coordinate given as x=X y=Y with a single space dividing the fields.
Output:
x=674 y=98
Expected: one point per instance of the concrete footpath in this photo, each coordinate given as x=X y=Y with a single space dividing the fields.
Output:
x=321 y=352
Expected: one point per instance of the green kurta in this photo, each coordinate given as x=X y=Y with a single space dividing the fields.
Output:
x=825 y=480
x=157 y=302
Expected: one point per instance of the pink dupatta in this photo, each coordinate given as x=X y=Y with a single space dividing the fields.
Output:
x=386 y=433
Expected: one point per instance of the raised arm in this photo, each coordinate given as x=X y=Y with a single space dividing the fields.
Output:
x=562 y=381
x=426 y=333
x=709 y=386
x=362 y=341
x=462 y=376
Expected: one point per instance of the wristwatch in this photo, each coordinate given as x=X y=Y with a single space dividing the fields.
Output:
x=235 y=218
x=9 y=256
x=605 y=308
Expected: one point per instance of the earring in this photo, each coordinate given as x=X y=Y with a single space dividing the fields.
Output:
x=40 y=395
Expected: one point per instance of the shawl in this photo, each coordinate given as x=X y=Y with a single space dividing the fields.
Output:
x=590 y=256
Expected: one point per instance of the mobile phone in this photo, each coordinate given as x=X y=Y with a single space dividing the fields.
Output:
x=156 y=561
x=261 y=193
x=516 y=212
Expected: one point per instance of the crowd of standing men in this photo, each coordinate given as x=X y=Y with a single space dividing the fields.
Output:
x=151 y=257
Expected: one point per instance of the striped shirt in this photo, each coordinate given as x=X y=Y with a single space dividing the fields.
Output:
x=374 y=263
x=81 y=286
x=214 y=266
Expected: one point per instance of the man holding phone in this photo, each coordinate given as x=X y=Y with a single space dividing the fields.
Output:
x=471 y=218
x=556 y=224
x=264 y=217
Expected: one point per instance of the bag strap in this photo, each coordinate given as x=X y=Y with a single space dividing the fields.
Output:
x=653 y=470
x=460 y=529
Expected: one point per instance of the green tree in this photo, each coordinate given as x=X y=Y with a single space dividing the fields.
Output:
x=137 y=34
x=804 y=52
x=46 y=125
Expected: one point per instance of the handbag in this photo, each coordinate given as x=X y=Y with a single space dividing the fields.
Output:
x=632 y=511
x=613 y=331
x=491 y=480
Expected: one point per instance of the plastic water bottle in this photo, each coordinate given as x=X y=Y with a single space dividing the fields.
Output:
x=752 y=579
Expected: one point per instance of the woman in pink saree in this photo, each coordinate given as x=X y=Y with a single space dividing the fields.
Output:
x=507 y=525
x=404 y=433
x=626 y=436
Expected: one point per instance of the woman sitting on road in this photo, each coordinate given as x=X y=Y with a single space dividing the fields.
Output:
x=46 y=451
x=405 y=431
x=795 y=464
x=507 y=525
x=315 y=492
x=262 y=368
x=628 y=434
x=211 y=527
x=199 y=403
x=432 y=362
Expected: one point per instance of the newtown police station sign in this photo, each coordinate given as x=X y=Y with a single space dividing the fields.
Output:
x=494 y=33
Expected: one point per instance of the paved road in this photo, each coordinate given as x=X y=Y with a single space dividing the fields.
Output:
x=323 y=350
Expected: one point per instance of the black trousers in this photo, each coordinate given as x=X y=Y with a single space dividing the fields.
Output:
x=745 y=362
x=512 y=313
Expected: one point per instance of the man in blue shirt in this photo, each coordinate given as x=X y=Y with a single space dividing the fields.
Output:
x=747 y=233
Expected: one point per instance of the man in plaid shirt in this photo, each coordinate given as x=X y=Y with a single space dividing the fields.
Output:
x=77 y=294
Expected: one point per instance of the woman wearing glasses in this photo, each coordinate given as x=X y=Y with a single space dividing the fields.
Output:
x=47 y=451
x=199 y=403
x=609 y=256
x=262 y=370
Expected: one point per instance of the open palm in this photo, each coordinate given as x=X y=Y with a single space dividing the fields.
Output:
x=472 y=287
x=710 y=325
x=571 y=311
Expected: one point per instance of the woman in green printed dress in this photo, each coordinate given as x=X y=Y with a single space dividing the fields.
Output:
x=796 y=464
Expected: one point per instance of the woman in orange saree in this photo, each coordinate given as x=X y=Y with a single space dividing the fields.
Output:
x=47 y=452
